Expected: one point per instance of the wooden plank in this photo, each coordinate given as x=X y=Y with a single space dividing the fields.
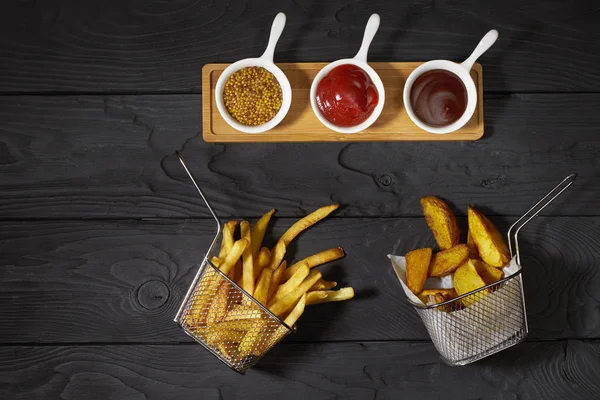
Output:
x=392 y=370
x=113 y=156
x=301 y=124
x=132 y=46
x=123 y=281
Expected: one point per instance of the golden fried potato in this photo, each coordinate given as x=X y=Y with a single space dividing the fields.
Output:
x=326 y=296
x=285 y=304
x=323 y=285
x=233 y=256
x=227 y=238
x=276 y=279
x=473 y=252
x=247 y=259
x=307 y=222
x=261 y=294
x=295 y=281
x=277 y=255
x=441 y=221
x=296 y=312
x=447 y=293
x=417 y=268
x=219 y=305
x=448 y=261
x=320 y=258
x=489 y=241
x=466 y=279
x=258 y=232
x=488 y=273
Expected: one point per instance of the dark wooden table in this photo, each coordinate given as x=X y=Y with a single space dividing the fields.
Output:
x=100 y=228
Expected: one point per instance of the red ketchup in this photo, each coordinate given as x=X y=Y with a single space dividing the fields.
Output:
x=346 y=96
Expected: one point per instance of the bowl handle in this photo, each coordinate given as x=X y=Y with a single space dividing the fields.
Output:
x=276 y=30
x=484 y=44
x=370 y=31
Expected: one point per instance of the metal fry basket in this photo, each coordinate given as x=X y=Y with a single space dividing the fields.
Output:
x=490 y=319
x=222 y=317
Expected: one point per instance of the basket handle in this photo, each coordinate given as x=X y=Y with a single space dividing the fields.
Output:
x=205 y=202
x=513 y=238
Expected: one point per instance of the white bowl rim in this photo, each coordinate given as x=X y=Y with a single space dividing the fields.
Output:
x=463 y=74
x=374 y=78
x=270 y=66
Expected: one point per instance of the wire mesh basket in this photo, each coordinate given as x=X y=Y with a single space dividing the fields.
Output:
x=492 y=318
x=224 y=318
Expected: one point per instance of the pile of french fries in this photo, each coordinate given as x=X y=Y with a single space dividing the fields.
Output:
x=230 y=323
x=474 y=265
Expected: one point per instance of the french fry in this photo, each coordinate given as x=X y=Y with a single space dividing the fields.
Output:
x=258 y=232
x=285 y=304
x=488 y=273
x=315 y=297
x=252 y=337
x=296 y=312
x=219 y=305
x=441 y=221
x=227 y=240
x=247 y=260
x=242 y=325
x=241 y=312
x=233 y=256
x=315 y=260
x=237 y=272
x=216 y=337
x=326 y=296
x=210 y=283
x=261 y=261
x=447 y=261
x=490 y=242
x=295 y=281
x=466 y=279
x=224 y=350
x=417 y=268
x=277 y=255
x=276 y=279
x=323 y=285
x=261 y=293
x=306 y=223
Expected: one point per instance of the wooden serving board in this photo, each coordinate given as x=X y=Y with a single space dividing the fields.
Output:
x=301 y=125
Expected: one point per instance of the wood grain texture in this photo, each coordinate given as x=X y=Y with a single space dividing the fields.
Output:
x=120 y=281
x=393 y=370
x=301 y=125
x=113 y=156
x=149 y=46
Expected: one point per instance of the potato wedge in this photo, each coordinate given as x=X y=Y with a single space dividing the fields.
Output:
x=447 y=293
x=466 y=279
x=417 y=268
x=296 y=312
x=307 y=222
x=286 y=303
x=488 y=273
x=326 y=296
x=295 y=281
x=315 y=260
x=261 y=294
x=447 y=261
x=441 y=221
x=473 y=252
x=323 y=285
x=258 y=232
x=489 y=241
x=247 y=260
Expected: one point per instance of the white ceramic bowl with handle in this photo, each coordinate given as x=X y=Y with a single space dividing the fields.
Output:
x=360 y=60
x=265 y=61
x=463 y=72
